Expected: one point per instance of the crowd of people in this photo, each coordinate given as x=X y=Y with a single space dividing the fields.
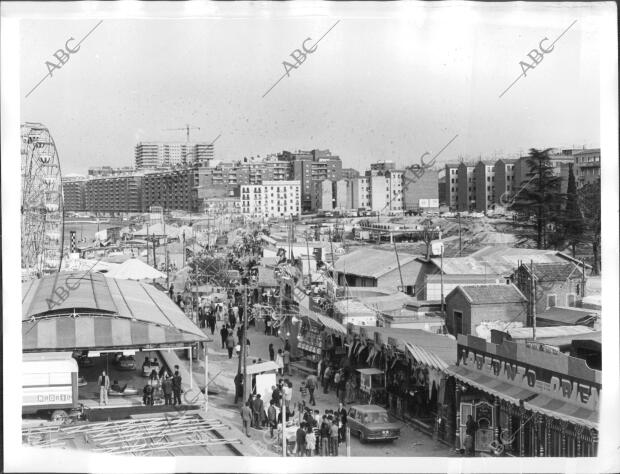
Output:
x=161 y=385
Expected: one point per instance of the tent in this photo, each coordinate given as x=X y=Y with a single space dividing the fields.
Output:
x=134 y=269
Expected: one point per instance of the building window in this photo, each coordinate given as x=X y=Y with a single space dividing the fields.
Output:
x=571 y=300
x=551 y=301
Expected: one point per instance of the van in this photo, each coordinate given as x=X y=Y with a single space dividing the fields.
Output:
x=50 y=384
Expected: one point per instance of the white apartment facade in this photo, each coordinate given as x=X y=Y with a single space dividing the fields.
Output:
x=271 y=199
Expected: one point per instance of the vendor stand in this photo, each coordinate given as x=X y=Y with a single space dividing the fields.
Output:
x=371 y=385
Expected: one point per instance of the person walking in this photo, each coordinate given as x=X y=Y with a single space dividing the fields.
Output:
x=279 y=361
x=287 y=345
x=104 y=386
x=258 y=407
x=272 y=416
x=342 y=415
x=310 y=441
x=288 y=395
x=326 y=379
x=176 y=387
x=211 y=323
x=167 y=388
x=470 y=436
x=272 y=352
x=286 y=359
x=301 y=440
x=246 y=418
x=333 y=437
x=230 y=343
x=147 y=394
x=311 y=385
x=337 y=377
x=276 y=395
x=224 y=334
x=303 y=389
x=325 y=432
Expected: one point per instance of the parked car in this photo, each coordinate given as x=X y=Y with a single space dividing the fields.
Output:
x=371 y=422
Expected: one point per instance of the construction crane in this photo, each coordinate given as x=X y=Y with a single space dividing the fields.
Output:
x=187 y=128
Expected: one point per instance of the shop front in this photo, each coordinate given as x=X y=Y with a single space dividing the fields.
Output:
x=524 y=401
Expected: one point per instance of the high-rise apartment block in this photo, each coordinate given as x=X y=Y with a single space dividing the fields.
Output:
x=153 y=155
x=74 y=193
x=484 y=182
x=114 y=194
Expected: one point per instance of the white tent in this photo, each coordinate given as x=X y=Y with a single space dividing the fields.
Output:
x=134 y=269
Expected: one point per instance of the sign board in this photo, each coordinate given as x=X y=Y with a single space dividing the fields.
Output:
x=423 y=202
x=47 y=395
x=437 y=248
x=433 y=203
x=264 y=382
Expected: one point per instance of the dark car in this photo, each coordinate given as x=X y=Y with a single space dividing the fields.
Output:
x=127 y=363
x=371 y=422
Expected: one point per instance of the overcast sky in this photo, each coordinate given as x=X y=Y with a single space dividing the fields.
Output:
x=390 y=83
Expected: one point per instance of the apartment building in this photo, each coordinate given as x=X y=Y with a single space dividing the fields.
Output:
x=322 y=195
x=114 y=194
x=350 y=173
x=421 y=191
x=98 y=171
x=466 y=187
x=74 y=193
x=271 y=199
x=360 y=193
x=587 y=166
x=153 y=155
x=484 y=182
x=172 y=189
x=451 y=185
x=504 y=180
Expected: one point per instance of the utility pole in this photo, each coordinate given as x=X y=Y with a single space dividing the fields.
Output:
x=147 y=244
x=400 y=273
x=308 y=255
x=283 y=413
x=533 y=293
x=443 y=313
x=460 y=241
x=155 y=256
x=247 y=387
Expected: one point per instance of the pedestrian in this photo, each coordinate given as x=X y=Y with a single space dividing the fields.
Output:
x=310 y=441
x=224 y=334
x=317 y=430
x=176 y=387
x=167 y=388
x=272 y=354
x=301 y=440
x=286 y=360
x=470 y=436
x=275 y=395
x=247 y=345
x=271 y=416
x=326 y=379
x=104 y=386
x=311 y=385
x=171 y=291
x=279 y=361
x=258 y=408
x=333 y=437
x=147 y=394
x=325 y=433
x=287 y=345
x=211 y=323
x=268 y=325
x=288 y=395
x=303 y=389
x=342 y=413
x=337 y=376
x=246 y=418
x=230 y=344
x=238 y=387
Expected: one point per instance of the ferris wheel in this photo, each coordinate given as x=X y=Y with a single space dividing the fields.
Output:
x=41 y=210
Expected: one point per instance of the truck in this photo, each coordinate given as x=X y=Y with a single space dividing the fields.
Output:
x=50 y=385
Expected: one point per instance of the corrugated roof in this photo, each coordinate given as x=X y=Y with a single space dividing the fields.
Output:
x=489 y=294
x=370 y=262
x=555 y=271
x=549 y=332
x=566 y=315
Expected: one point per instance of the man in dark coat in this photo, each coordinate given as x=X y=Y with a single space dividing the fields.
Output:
x=238 y=387
x=166 y=386
x=258 y=408
x=271 y=417
x=176 y=387
x=224 y=334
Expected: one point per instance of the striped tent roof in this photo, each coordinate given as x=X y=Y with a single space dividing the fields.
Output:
x=100 y=313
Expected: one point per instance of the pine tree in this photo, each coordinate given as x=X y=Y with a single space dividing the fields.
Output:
x=540 y=196
x=572 y=222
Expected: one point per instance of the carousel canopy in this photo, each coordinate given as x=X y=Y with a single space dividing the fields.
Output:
x=134 y=269
x=100 y=313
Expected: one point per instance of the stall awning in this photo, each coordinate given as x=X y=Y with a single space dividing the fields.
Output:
x=425 y=357
x=262 y=367
x=332 y=324
x=563 y=410
x=493 y=386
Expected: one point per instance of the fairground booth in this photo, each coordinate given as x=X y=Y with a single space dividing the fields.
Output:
x=107 y=324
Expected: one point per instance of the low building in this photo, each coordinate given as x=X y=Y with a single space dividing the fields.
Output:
x=562 y=316
x=354 y=312
x=468 y=306
x=376 y=268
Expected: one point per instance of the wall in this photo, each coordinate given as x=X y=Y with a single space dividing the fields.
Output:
x=458 y=302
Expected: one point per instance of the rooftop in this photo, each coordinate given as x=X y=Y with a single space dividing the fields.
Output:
x=490 y=294
x=370 y=262
x=554 y=271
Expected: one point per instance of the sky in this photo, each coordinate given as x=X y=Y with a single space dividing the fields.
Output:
x=388 y=82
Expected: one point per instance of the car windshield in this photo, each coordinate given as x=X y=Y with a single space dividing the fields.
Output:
x=376 y=417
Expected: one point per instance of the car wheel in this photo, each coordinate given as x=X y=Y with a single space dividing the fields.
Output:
x=59 y=416
x=363 y=438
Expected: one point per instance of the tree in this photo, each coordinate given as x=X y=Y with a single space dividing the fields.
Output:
x=590 y=204
x=572 y=222
x=540 y=196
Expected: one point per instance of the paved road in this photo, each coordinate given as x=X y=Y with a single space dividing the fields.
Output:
x=411 y=443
